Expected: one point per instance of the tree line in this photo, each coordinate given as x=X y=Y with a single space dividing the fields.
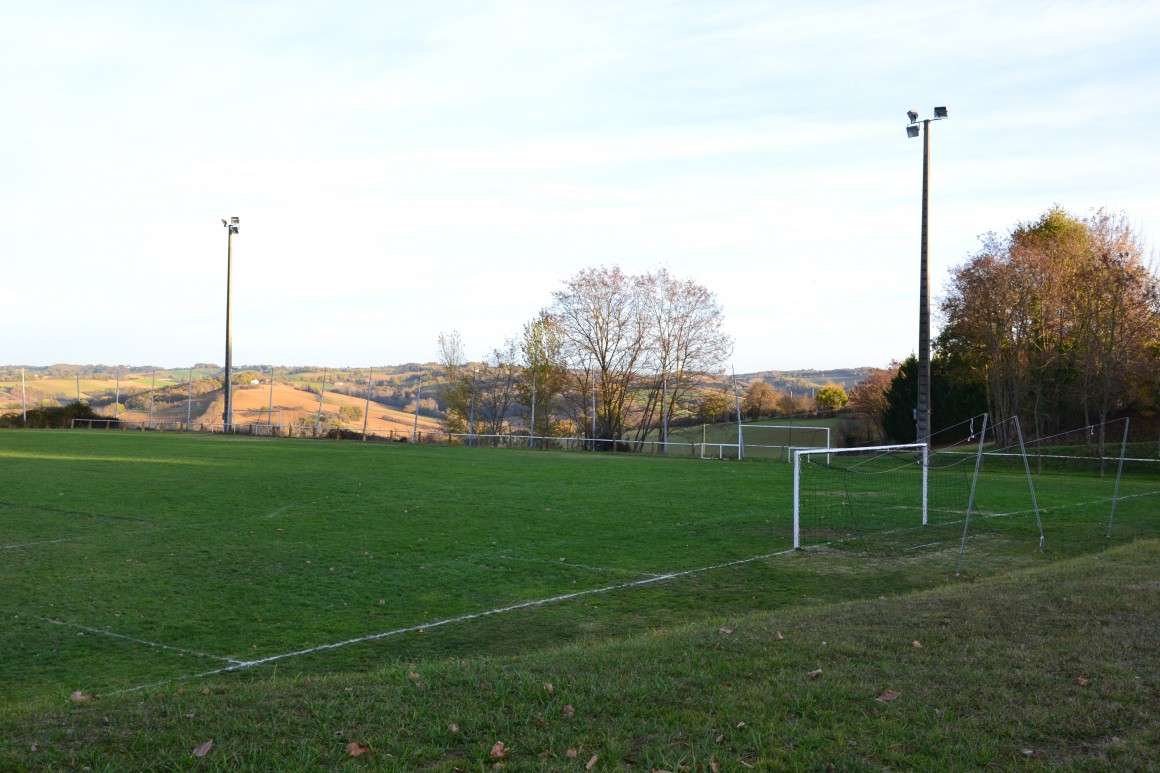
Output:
x=614 y=356
x=1056 y=322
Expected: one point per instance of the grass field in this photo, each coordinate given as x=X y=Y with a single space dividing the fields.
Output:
x=141 y=564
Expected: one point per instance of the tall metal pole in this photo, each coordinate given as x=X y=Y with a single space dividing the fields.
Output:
x=474 y=373
x=367 y=407
x=532 y=420
x=418 y=396
x=152 y=389
x=228 y=413
x=923 y=414
x=189 y=402
x=116 y=398
x=923 y=410
x=664 y=413
x=23 y=398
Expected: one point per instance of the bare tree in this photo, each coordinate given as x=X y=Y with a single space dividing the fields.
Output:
x=457 y=389
x=600 y=318
x=637 y=345
x=545 y=372
x=686 y=340
x=497 y=388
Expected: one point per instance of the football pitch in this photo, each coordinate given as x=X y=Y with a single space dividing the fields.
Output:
x=134 y=560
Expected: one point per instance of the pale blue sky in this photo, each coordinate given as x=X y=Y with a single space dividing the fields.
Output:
x=406 y=168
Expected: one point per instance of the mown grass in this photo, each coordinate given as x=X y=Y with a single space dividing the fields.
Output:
x=164 y=565
x=1053 y=667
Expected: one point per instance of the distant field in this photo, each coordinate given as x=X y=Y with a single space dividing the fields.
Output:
x=132 y=559
x=252 y=403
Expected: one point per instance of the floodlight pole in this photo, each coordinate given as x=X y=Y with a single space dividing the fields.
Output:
x=228 y=412
x=923 y=412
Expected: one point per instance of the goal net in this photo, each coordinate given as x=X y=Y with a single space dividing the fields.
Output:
x=779 y=441
x=881 y=499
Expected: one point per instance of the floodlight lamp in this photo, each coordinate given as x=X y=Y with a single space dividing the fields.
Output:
x=912 y=130
x=940 y=112
x=235 y=220
x=912 y=115
x=224 y=221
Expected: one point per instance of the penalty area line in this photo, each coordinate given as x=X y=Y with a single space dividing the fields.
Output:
x=156 y=645
x=240 y=666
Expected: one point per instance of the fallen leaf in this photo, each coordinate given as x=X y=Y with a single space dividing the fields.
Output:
x=746 y=764
x=1031 y=753
x=916 y=644
x=33 y=747
x=412 y=675
x=541 y=722
x=569 y=711
x=104 y=720
x=815 y=673
x=592 y=762
x=572 y=753
x=740 y=725
x=714 y=765
x=79 y=696
x=720 y=737
x=382 y=602
x=355 y=749
x=203 y=749
x=779 y=636
x=551 y=688
x=499 y=751
x=205 y=691
x=1082 y=682
x=725 y=630
x=889 y=695
x=453 y=727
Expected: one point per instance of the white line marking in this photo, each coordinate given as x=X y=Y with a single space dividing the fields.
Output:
x=158 y=645
x=238 y=666
x=41 y=542
x=152 y=530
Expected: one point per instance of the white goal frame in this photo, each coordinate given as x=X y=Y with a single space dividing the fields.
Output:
x=830 y=453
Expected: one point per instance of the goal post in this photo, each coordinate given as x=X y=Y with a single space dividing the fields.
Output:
x=838 y=492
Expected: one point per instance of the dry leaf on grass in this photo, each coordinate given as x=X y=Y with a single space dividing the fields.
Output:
x=779 y=636
x=569 y=711
x=714 y=765
x=412 y=675
x=815 y=673
x=550 y=688
x=916 y=644
x=203 y=749
x=889 y=695
x=1031 y=754
x=355 y=749
x=499 y=751
x=725 y=630
x=572 y=753
x=592 y=762
x=81 y=696
x=1082 y=682
x=453 y=727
